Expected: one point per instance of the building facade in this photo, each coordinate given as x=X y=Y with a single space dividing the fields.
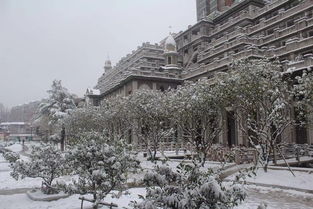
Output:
x=203 y=9
x=16 y=130
x=226 y=30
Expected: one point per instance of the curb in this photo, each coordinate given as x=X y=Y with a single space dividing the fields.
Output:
x=14 y=191
x=32 y=195
x=281 y=187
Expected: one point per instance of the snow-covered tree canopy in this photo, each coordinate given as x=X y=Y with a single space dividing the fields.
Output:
x=150 y=117
x=260 y=98
x=196 y=110
x=59 y=104
x=83 y=120
x=303 y=90
x=116 y=114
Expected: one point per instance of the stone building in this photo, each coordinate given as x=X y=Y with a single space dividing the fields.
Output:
x=226 y=30
x=149 y=67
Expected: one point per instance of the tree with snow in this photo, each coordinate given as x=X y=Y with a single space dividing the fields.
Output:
x=115 y=111
x=46 y=162
x=101 y=164
x=187 y=187
x=196 y=110
x=150 y=119
x=83 y=120
x=303 y=94
x=59 y=104
x=260 y=97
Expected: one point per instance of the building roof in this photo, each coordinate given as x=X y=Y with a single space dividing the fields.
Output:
x=13 y=123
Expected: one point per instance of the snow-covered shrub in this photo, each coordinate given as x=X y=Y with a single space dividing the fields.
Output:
x=101 y=165
x=46 y=162
x=11 y=157
x=188 y=187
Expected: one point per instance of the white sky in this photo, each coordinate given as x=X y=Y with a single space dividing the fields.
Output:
x=69 y=40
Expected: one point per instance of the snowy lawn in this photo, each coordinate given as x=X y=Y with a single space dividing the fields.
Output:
x=4 y=166
x=275 y=199
x=302 y=180
x=7 y=182
x=15 y=147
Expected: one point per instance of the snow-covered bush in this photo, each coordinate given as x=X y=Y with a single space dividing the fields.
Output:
x=101 y=165
x=11 y=157
x=45 y=162
x=188 y=187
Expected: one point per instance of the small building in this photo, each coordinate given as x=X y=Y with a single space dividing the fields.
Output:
x=3 y=134
x=17 y=130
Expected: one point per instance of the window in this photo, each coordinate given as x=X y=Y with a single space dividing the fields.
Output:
x=290 y=23
x=283 y=43
x=169 y=60
x=270 y=31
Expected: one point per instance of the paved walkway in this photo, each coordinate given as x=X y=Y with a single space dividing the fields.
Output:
x=17 y=190
x=276 y=199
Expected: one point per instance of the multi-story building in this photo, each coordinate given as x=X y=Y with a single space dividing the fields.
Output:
x=207 y=7
x=149 y=67
x=238 y=29
x=203 y=9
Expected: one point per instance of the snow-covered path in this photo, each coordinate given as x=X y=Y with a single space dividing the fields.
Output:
x=8 y=185
x=276 y=199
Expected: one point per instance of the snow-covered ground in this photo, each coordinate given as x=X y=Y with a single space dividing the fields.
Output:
x=7 y=182
x=274 y=198
x=15 y=147
x=301 y=180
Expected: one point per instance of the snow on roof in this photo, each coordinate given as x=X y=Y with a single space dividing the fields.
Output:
x=170 y=40
x=170 y=68
x=12 y=123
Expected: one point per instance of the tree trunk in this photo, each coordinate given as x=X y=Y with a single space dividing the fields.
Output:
x=265 y=167
x=95 y=206
x=62 y=137
x=274 y=155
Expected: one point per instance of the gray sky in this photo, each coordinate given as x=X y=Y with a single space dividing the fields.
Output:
x=69 y=40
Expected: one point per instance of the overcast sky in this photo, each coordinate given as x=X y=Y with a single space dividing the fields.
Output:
x=69 y=40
